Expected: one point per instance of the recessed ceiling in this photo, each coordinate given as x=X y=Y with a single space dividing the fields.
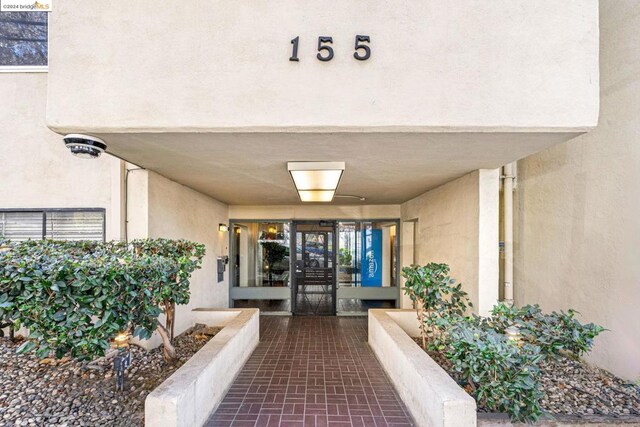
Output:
x=385 y=168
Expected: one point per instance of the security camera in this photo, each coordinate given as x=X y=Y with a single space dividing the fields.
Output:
x=84 y=146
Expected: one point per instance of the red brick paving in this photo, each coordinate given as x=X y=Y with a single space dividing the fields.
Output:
x=312 y=371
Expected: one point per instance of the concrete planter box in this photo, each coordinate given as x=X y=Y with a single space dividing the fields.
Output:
x=193 y=392
x=430 y=394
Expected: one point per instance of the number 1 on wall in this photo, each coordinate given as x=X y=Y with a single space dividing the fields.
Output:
x=294 y=54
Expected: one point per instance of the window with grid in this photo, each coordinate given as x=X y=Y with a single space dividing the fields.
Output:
x=58 y=224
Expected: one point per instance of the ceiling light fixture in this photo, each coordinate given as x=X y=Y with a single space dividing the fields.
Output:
x=316 y=181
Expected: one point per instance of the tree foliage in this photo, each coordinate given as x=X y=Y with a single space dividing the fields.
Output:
x=345 y=259
x=436 y=297
x=75 y=297
x=274 y=253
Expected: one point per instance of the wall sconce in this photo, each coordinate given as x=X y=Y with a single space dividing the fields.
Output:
x=223 y=227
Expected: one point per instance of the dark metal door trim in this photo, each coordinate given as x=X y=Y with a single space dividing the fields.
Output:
x=295 y=267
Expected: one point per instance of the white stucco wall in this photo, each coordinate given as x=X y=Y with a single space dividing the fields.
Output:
x=37 y=171
x=457 y=224
x=488 y=236
x=578 y=208
x=220 y=65
x=315 y=211
x=178 y=212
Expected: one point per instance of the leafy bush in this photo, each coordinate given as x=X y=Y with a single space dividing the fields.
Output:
x=175 y=289
x=436 y=298
x=553 y=333
x=7 y=298
x=74 y=297
x=502 y=376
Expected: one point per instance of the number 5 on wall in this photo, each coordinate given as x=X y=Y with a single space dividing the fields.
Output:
x=359 y=45
x=328 y=49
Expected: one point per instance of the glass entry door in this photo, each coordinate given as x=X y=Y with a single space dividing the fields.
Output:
x=314 y=287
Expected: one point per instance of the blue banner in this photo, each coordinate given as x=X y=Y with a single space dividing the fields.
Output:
x=371 y=258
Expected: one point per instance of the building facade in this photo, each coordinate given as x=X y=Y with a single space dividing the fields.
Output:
x=422 y=103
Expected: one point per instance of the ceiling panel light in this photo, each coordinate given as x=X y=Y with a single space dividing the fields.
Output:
x=316 y=181
x=316 y=195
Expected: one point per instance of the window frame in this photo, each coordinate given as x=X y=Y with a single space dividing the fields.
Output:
x=44 y=212
x=24 y=68
x=233 y=250
x=387 y=293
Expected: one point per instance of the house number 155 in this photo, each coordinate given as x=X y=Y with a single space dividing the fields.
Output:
x=325 y=50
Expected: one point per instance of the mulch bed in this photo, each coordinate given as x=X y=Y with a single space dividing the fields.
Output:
x=64 y=392
x=572 y=387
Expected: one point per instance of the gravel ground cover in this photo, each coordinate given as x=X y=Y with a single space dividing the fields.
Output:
x=572 y=387
x=64 y=392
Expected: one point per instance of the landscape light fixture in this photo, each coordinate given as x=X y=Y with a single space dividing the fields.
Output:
x=316 y=181
x=223 y=227
x=122 y=360
x=513 y=333
x=84 y=146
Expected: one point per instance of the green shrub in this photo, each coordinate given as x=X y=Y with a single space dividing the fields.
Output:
x=553 y=333
x=503 y=376
x=175 y=288
x=75 y=297
x=345 y=259
x=436 y=298
x=8 y=295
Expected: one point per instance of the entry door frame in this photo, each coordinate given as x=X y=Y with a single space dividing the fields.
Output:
x=334 y=260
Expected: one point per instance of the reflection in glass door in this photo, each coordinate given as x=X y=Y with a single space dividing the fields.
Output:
x=260 y=265
x=314 y=287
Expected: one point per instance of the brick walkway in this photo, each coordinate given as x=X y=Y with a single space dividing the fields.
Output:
x=312 y=371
